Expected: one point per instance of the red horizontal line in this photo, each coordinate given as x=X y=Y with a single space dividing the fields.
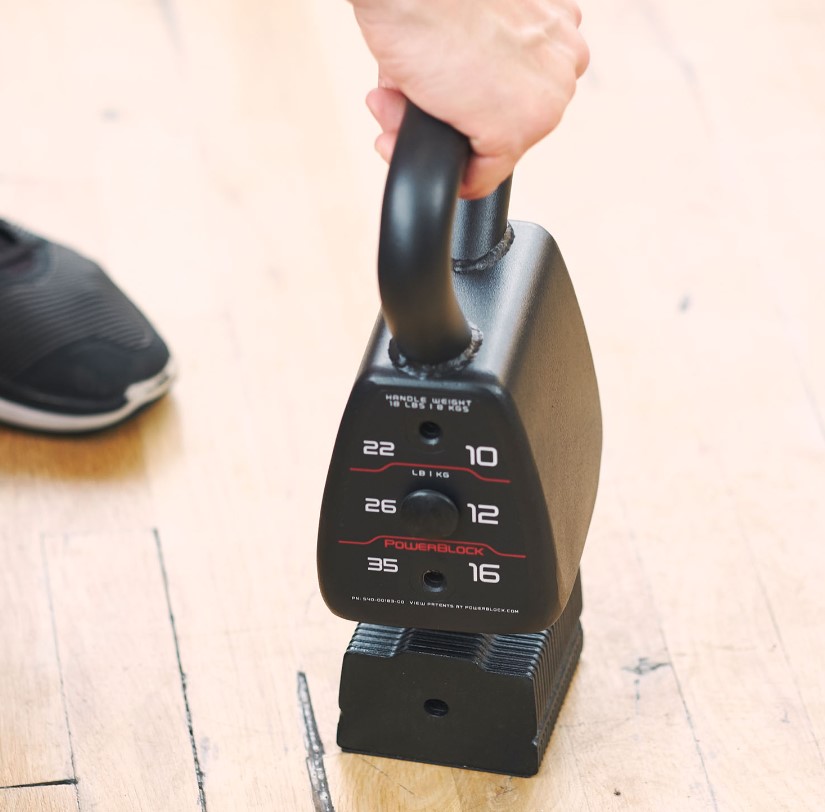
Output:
x=433 y=541
x=439 y=467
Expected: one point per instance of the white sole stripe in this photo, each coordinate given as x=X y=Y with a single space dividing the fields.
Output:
x=137 y=395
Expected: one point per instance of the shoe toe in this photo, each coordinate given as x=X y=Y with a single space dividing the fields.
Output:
x=75 y=352
x=94 y=372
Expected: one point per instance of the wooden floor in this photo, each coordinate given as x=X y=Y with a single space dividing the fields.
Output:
x=158 y=592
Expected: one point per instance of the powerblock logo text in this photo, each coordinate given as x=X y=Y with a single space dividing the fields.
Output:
x=434 y=547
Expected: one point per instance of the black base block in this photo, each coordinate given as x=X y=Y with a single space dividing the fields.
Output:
x=480 y=701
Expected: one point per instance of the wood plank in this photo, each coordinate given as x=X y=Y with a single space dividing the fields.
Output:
x=235 y=600
x=39 y=799
x=121 y=675
x=714 y=455
x=34 y=740
x=247 y=491
x=705 y=579
x=735 y=542
x=775 y=181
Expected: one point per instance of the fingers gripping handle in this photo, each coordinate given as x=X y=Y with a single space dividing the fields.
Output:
x=414 y=262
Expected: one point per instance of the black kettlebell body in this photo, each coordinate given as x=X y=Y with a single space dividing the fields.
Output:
x=464 y=474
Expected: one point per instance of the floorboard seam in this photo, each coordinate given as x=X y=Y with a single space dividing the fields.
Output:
x=63 y=782
x=814 y=404
x=182 y=673
x=774 y=623
x=696 y=742
x=170 y=23
x=321 y=797
x=53 y=618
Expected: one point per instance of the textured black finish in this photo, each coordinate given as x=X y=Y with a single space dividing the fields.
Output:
x=530 y=393
x=414 y=252
x=480 y=224
x=485 y=702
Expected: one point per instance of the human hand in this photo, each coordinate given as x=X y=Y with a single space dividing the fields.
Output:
x=500 y=71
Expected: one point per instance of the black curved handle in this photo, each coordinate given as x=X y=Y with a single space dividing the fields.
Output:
x=414 y=262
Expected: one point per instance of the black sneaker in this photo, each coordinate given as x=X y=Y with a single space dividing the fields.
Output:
x=75 y=354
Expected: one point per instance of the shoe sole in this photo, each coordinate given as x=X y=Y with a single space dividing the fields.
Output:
x=137 y=395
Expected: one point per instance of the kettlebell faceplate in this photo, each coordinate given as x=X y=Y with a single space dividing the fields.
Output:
x=460 y=493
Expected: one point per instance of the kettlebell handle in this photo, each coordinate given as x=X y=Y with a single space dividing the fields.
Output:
x=414 y=252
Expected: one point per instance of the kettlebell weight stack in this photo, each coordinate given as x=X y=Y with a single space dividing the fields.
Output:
x=478 y=701
x=463 y=478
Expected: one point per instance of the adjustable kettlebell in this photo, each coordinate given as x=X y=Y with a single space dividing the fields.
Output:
x=465 y=469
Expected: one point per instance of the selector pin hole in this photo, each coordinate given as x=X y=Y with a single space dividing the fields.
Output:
x=434 y=581
x=430 y=432
x=436 y=707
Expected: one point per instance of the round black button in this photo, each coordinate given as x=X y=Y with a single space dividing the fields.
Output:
x=429 y=513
